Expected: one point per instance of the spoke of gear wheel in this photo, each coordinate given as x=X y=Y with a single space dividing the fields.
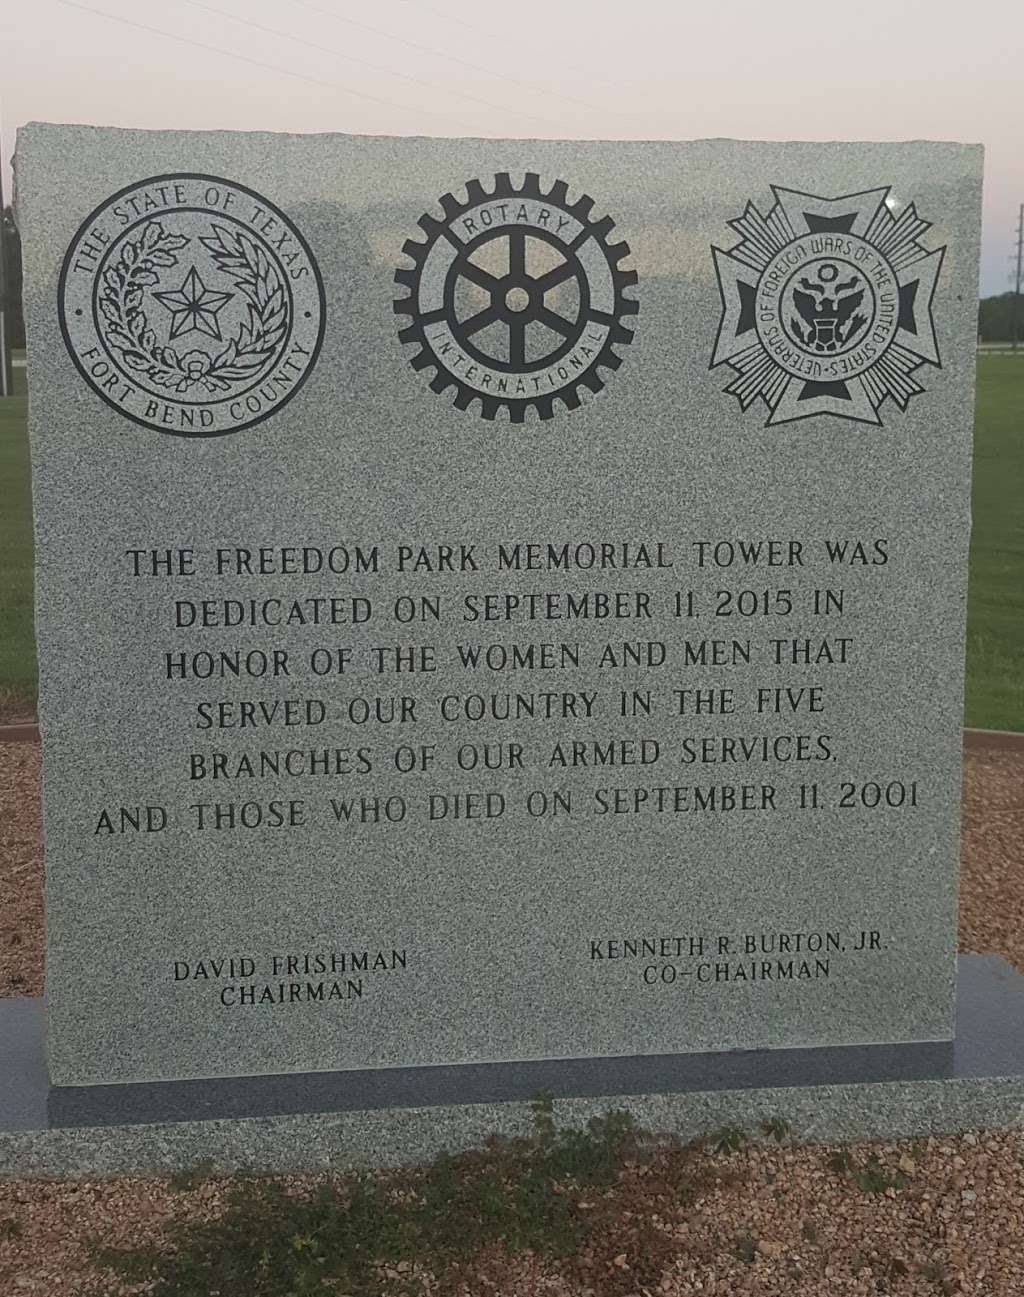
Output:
x=480 y=277
x=553 y=278
x=479 y=321
x=517 y=342
x=552 y=320
x=517 y=253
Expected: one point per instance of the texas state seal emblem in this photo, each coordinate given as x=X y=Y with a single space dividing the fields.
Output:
x=191 y=305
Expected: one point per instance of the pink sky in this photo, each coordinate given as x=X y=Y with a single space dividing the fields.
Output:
x=750 y=69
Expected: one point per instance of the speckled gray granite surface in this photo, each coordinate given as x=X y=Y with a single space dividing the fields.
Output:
x=389 y=1118
x=259 y=364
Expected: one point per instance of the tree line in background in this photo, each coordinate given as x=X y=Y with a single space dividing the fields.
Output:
x=996 y=318
x=995 y=314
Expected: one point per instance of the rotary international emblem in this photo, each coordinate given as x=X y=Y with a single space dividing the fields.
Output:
x=191 y=305
x=516 y=298
x=827 y=305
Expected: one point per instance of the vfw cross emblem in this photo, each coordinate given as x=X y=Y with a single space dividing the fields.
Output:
x=827 y=305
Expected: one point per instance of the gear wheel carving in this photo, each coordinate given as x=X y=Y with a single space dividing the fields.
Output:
x=516 y=298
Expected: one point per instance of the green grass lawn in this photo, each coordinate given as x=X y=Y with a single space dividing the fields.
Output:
x=995 y=630
x=17 y=648
x=995 y=600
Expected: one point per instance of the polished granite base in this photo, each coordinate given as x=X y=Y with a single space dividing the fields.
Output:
x=387 y=1117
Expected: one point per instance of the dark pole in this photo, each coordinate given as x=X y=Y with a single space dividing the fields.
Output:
x=6 y=377
x=1015 y=310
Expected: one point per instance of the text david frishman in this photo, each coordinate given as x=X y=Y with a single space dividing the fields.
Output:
x=297 y=982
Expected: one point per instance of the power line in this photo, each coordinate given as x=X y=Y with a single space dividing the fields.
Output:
x=376 y=67
x=451 y=58
x=244 y=58
x=419 y=7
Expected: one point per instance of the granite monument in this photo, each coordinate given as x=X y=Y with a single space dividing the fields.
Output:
x=497 y=601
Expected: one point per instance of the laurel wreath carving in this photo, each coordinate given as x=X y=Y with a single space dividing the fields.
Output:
x=127 y=328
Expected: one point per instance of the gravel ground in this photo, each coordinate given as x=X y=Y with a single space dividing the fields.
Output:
x=21 y=871
x=767 y=1221
x=992 y=855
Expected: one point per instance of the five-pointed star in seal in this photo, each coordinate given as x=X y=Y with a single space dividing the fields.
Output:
x=194 y=307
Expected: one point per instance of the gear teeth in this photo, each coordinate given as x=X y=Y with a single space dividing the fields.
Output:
x=442 y=378
x=450 y=206
x=559 y=193
x=602 y=228
x=583 y=208
x=430 y=226
x=474 y=193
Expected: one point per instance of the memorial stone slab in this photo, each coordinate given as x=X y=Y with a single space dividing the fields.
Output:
x=496 y=600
